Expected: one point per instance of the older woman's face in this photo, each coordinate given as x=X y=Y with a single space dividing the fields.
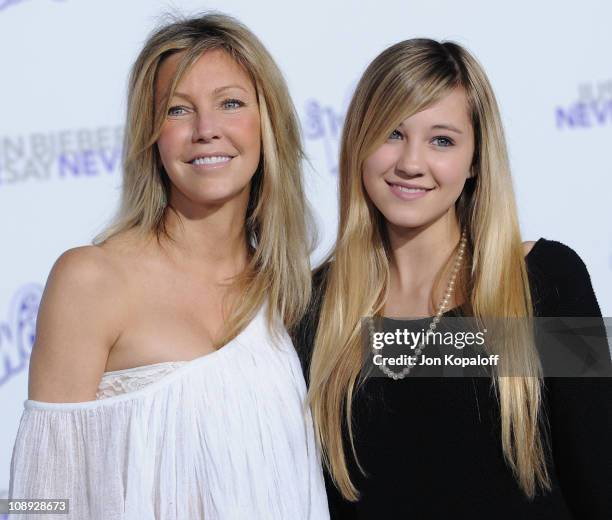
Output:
x=210 y=141
x=417 y=175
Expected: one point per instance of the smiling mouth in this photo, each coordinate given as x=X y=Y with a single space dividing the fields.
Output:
x=211 y=160
x=408 y=193
x=406 y=189
x=410 y=190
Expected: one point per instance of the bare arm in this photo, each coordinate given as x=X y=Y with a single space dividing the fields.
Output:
x=79 y=320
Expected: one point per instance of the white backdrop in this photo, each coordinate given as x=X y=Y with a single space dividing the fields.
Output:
x=64 y=71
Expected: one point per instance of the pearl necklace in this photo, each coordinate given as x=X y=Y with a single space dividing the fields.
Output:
x=432 y=326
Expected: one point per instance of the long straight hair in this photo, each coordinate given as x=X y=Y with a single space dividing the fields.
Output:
x=403 y=80
x=277 y=219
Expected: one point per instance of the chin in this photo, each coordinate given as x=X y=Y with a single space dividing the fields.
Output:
x=218 y=195
x=406 y=223
x=209 y=191
x=404 y=219
x=409 y=220
x=215 y=199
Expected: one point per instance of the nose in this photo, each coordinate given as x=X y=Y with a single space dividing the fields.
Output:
x=411 y=162
x=205 y=127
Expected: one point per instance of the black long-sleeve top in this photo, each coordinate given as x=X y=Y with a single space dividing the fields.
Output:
x=431 y=447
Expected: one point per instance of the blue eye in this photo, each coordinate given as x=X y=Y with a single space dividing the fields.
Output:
x=232 y=103
x=395 y=135
x=176 y=111
x=444 y=142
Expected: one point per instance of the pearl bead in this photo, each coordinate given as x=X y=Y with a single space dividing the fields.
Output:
x=433 y=325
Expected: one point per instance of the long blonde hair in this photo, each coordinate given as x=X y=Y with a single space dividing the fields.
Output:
x=401 y=81
x=277 y=230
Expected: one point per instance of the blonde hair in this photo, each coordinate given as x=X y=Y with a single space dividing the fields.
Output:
x=277 y=231
x=401 y=81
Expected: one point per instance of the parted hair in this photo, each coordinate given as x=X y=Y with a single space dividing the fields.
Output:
x=403 y=80
x=277 y=219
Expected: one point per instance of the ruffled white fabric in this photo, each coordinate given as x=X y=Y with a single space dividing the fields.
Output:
x=225 y=436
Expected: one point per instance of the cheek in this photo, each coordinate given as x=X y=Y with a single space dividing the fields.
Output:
x=170 y=139
x=451 y=170
x=163 y=146
x=247 y=133
x=368 y=177
x=377 y=164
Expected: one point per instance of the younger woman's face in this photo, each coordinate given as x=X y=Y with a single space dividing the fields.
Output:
x=210 y=141
x=418 y=173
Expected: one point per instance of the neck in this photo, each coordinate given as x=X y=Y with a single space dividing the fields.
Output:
x=417 y=256
x=208 y=239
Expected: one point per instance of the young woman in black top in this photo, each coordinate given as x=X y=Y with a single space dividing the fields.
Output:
x=428 y=227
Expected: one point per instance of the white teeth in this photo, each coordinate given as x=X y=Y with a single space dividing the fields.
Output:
x=211 y=160
x=411 y=190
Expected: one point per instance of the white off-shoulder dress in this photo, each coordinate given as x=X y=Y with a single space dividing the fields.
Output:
x=226 y=436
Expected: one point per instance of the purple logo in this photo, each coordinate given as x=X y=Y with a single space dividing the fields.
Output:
x=89 y=162
x=593 y=107
x=322 y=123
x=66 y=154
x=17 y=334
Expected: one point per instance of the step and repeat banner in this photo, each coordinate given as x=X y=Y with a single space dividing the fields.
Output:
x=62 y=96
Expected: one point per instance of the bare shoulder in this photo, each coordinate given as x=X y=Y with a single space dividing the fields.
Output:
x=78 y=321
x=86 y=275
x=528 y=246
x=83 y=266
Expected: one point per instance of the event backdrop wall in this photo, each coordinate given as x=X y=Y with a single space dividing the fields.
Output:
x=65 y=65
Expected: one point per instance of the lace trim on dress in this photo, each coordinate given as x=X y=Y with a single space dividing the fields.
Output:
x=132 y=379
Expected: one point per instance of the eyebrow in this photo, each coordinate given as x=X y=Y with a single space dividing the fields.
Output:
x=227 y=87
x=447 y=127
x=216 y=91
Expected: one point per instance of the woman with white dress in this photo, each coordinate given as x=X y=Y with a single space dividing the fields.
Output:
x=163 y=383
